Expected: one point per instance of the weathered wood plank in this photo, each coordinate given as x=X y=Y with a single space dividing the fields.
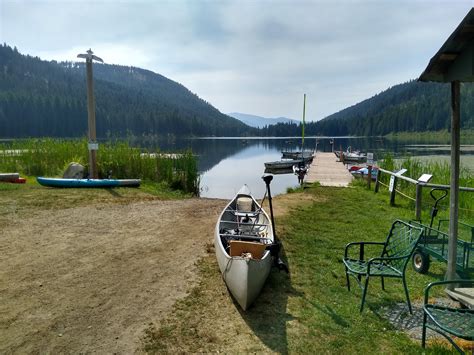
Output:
x=326 y=169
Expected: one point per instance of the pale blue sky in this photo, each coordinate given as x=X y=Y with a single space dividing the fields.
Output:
x=255 y=57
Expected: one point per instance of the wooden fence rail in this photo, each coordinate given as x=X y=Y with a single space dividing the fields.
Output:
x=419 y=188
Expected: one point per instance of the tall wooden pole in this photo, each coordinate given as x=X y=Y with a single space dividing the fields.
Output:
x=302 y=127
x=93 y=173
x=454 y=190
x=93 y=146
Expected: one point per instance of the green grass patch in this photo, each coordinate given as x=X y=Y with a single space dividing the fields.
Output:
x=309 y=310
x=116 y=159
x=440 y=137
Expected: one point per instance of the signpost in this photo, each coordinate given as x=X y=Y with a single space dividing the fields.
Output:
x=393 y=185
x=370 y=158
x=93 y=145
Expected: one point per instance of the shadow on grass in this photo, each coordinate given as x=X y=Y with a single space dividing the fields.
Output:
x=113 y=192
x=268 y=316
x=330 y=312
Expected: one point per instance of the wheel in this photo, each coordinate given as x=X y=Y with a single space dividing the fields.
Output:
x=421 y=262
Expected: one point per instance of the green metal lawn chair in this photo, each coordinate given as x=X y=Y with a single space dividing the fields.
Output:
x=392 y=262
x=447 y=320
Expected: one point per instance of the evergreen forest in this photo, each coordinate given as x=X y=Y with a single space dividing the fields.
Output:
x=40 y=98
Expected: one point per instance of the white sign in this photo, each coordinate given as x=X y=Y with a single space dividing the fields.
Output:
x=93 y=146
x=425 y=178
x=392 y=182
x=401 y=172
x=370 y=158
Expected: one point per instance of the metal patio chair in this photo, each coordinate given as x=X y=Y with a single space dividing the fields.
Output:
x=392 y=262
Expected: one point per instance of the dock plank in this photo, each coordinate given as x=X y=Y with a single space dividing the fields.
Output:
x=326 y=169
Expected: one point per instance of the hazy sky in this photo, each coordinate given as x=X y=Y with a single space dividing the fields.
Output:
x=255 y=57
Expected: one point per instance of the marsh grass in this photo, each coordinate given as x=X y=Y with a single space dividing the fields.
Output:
x=441 y=172
x=440 y=137
x=116 y=159
x=310 y=310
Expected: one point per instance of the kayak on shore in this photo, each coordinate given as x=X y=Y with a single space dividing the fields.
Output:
x=104 y=183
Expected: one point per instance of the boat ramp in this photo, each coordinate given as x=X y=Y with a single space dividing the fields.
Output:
x=328 y=170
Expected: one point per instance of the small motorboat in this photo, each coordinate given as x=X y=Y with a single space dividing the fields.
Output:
x=363 y=172
x=351 y=156
x=287 y=154
x=288 y=163
x=243 y=239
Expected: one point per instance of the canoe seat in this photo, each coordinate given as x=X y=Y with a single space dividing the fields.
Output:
x=238 y=247
x=244 y=204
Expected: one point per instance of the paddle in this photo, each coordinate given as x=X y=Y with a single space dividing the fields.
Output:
x=275 y=248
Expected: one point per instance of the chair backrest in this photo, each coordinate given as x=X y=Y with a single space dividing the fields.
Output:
x=401 y=242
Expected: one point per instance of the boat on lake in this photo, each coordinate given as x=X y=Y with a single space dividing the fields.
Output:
x=287 y=163
x=351 y=155
x=104 y=183
x=286 y=154
x=363 y=172
x=243 y=237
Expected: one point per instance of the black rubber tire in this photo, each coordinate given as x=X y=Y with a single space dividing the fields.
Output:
x=420 y=262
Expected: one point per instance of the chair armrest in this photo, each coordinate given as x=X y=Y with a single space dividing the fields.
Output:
x=361 y=245
x=446 y=282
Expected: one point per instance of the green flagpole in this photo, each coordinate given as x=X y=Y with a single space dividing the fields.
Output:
x=302 y=127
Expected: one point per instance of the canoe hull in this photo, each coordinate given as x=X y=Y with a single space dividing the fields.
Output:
x=244 y=276
x=78 y=183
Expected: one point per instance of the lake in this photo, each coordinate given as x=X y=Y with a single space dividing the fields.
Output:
x=225 y=164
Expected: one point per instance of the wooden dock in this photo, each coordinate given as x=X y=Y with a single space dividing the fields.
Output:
x=326 y=169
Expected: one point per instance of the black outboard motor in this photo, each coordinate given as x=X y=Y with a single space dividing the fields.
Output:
x=276 y=246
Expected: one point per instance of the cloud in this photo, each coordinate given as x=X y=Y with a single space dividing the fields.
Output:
x=250 y=56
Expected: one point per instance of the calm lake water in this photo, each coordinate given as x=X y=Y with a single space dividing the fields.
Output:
x=225 y=164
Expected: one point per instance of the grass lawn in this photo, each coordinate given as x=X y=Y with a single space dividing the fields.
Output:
x=309 y=310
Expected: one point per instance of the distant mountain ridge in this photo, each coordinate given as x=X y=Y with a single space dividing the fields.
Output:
x=258 y=121
x=40 y=98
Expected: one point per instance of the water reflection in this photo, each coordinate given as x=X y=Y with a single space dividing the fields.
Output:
x=225 y=164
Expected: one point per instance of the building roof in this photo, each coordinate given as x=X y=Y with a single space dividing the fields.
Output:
x=455 y=59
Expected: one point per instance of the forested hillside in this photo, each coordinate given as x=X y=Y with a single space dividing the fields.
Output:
x=40 y=98
x=409 y=107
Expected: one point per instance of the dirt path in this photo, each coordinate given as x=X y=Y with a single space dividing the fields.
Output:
x=90 y=279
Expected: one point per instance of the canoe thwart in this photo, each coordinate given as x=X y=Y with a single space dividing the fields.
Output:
x=238 y=247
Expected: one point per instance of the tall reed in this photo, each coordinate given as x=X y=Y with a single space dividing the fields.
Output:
x=50 y=157
x=441 y=172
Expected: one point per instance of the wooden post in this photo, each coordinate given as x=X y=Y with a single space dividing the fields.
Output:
x=377 y=181
x=369 y=176
x=394 y=191
x=454 y=189
x=93 y=173
x=93 y=146
x=419 y=194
